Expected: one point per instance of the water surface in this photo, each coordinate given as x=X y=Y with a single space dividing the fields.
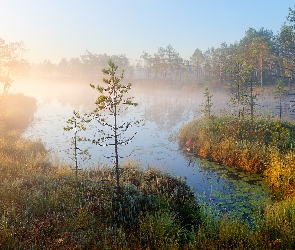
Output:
x=155 y=143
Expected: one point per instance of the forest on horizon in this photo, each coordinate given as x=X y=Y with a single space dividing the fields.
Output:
x=267 y=56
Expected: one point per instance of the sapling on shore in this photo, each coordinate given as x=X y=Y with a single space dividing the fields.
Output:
x=110 y=104
x=77 y=124
x=207 y=111
x=279 y=94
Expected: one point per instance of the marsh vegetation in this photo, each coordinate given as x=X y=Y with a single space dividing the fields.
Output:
x=44 y=205
x=212 y=168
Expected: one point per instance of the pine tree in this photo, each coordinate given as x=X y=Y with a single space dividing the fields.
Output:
x=109 y=106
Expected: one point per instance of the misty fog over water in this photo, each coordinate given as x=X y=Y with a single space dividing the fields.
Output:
x=164 y=112
x=155 y=144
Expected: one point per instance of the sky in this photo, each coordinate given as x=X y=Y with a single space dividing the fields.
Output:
x=55 y=29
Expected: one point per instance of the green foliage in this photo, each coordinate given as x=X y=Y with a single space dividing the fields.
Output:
x=111 y=99
x=279 y=90
x=160 y=231
x=77 y=124
x=278 y=225
x=279 y=93
x=207 y=104
x=272 y=228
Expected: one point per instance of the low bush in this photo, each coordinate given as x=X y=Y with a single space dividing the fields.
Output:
x=280 y=172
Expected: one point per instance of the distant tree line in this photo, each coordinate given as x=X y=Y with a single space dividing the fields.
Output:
x=88 y=65
x=260 y=57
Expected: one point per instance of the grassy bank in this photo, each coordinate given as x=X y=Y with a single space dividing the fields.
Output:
x=44 y=206
x=263 y=146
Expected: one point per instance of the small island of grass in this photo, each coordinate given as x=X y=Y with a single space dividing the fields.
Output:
x=261 y=146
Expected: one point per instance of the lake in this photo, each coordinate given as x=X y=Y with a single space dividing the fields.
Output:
x=155 y=142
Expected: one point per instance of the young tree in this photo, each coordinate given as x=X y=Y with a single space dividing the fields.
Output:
x=279 y=93
x=109 y=104
x=76 y=124
x=236 y=77
x=207 y=104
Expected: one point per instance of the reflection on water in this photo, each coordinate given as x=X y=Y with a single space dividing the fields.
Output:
x=164 y=113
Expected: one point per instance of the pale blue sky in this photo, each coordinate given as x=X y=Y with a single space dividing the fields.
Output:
x=52 y=29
